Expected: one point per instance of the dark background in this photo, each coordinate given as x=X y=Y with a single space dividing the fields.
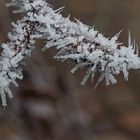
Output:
x=50 y=103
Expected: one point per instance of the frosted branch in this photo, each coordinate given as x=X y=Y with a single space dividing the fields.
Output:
x=73 y=39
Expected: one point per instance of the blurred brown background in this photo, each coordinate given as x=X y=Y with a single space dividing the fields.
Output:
x=50 y=103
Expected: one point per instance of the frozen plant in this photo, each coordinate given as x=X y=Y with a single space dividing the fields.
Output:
x=73 y=39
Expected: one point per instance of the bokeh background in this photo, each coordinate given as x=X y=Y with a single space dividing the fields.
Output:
x=50 y=103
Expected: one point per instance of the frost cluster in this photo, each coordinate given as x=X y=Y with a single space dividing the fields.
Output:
x=73 y=39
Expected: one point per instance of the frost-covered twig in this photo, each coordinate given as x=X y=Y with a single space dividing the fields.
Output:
x=74 y=40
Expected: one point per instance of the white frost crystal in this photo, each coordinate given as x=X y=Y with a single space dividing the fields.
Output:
x=73 y=39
